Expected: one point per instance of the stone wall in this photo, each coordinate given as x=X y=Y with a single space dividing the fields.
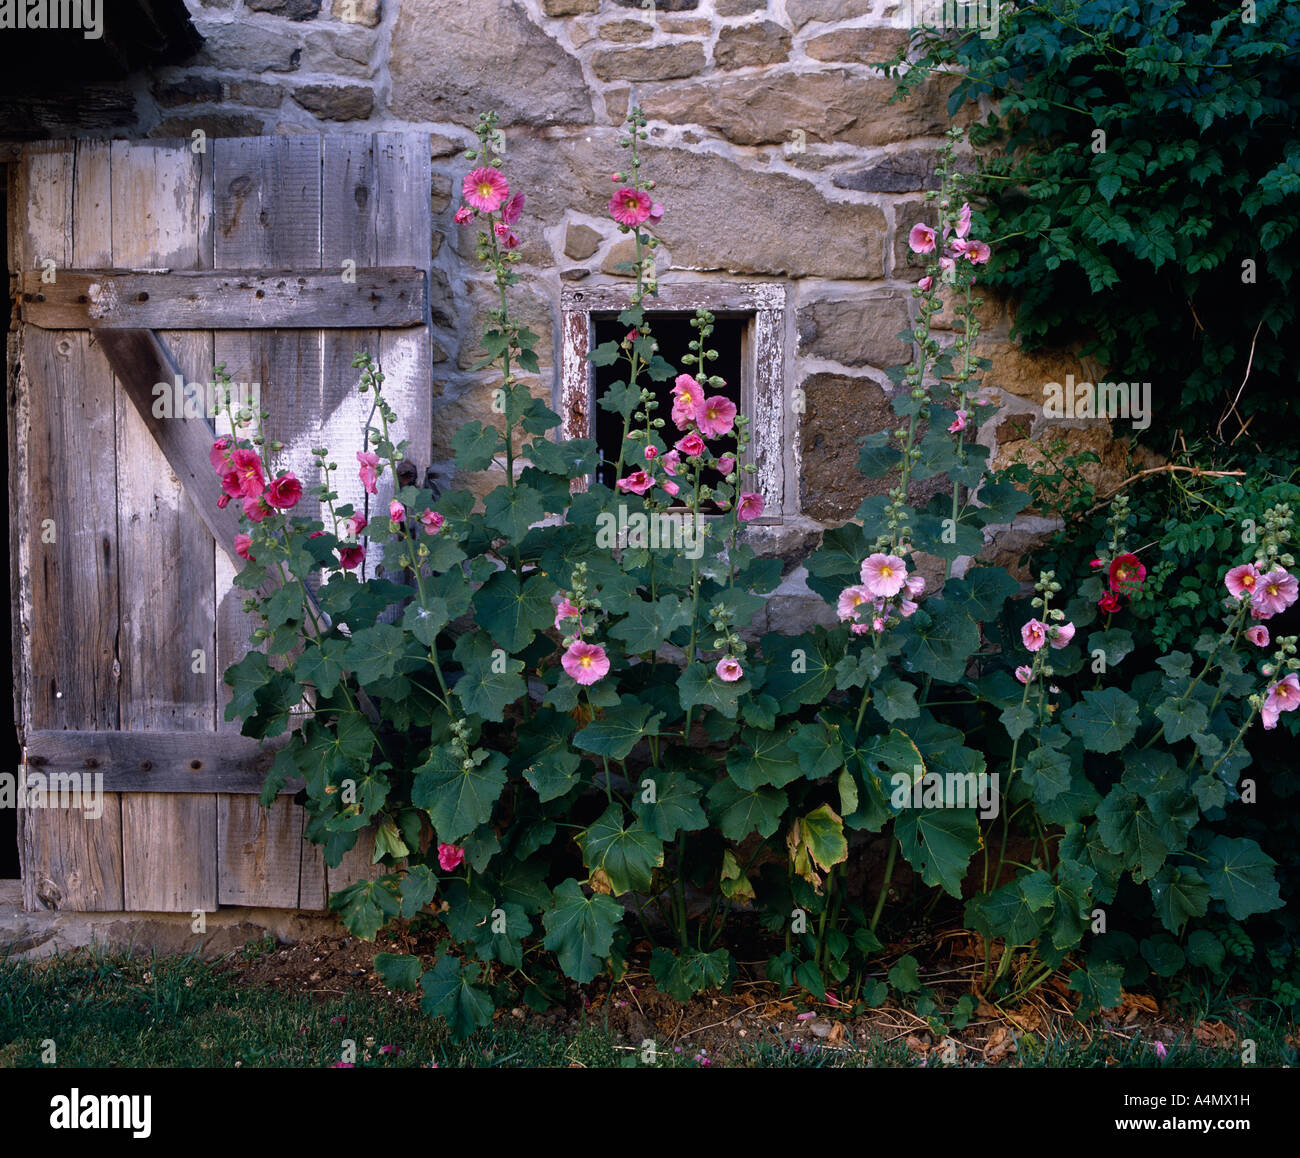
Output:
x=777 y=154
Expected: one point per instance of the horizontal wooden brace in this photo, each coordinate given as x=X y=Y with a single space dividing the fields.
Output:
x=79 y=299
x=157 y=761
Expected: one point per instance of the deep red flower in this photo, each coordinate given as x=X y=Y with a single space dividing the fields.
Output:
x=1109 y=602
x=1126 y=573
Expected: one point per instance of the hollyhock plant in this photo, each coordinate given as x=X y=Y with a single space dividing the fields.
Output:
x=638 y=482
x=925 y=283
x=450 y=857
x=914 y=585
x=962 y=228
x=921 y=239
x=651 y=453
x=958 y=423
x=750 y=507
x=585 y=662
x=1242 y=581
x=485 y=189
x=565 y=610
x=1283 y=696
x=284 y=492
x=219 y=455
x=357 y=523
x=671 y=487
x=1274 y=593
x=369 y=470
x=884 y=575
x=729 y=670
x=671 y=461
x=726 y=464
x=1109 y=602
x=630 y=207
x=232 y=485
x=242 y=544
x=976 y=252
x=1034 y=635
x=717 y=416
x=256 y=509
x=513 y=209
x=432 y=522
x=1023 y=672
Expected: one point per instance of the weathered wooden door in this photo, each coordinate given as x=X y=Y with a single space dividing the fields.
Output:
x=280 y=257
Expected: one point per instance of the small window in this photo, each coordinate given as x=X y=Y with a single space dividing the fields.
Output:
x=748 y=334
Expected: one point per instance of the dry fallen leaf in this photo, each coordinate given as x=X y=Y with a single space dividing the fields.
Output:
x=1002 y=1041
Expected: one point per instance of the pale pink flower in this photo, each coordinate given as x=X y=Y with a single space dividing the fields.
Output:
x=915 y=585
x=688 y=398
x=432 y=521
x=1061 y=635
x=1023 y=672
x=656 y=214
x=977 y=252
x=450 y=857
x=1258 y=635
x=485 y=189
x=859 y=628
x=651 y=452
x=947 y=264
x=884 y=575
x=717 y=416
x=851 y=598
x=906 y=608
x=464 y=215
x=638 y=482
x=921 y=239
x=369 y=461
x=630 y=206
x=925 y=283
x=501 y=229
x=1161 y=1051
x=749 y=507
x=357 y=523
x=512 y=209
x=565 y=610
x=958 y=423
x=1242 y=581
x=1283 y=696
x=963 y=221
x=671 y=487
x=692 y=445
x=729 y=670
x=585 y=662
x=1034 y=635
x=726 y=464
x=877 y=625
x=511 y=241
x=672 y=460
x=1274 y=592
x=242 y=544
x=396 y=511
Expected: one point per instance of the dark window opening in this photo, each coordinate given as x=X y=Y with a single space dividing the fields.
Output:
x=674 y=333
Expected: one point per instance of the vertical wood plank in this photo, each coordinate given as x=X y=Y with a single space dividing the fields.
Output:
x=260 y=852
x=167 y=557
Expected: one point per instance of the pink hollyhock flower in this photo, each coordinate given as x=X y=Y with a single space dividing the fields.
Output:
x=630 y=206
x=749 y=507
x=350 y=557
x=391 y=1048
x=906 y=608
x=242 y=544
x=976 y=252
x=651 y=452
x=925 y=283
x=357 y=523
x=513 y=209
x=947 y=265
x=1096 y=563
x=729 y=670
x=1109 y=602
x=432 y=521
x=396 y=511
x=464 y=215
x=1274 y=592
x=223 y=501
x=958 y=423
x=672 y=460
x=316 y=534
x=232 y=485
x=1161 y=1052
x=511 y=241
x=256 y=508
x=877 y=625
x=726 y=464
x=1242 y=581
x=851 y=598
x=369 y=461
x=656 y=214
x=248 y=467
x=914 y=585
x=1023 y=672
x=1034 y=635
x=1126 y=573
x=1061 y=635
x=717 y=416
x=921 y=239
x=1258 y=636
x=963 y=221
x=284 y=492
x=485 y=189
x=501 y=229
x=638 y=482
x=884 y=575
x=688 y=398
x=1283 y=696
x=585 y=662
x=859 y=628
x=219 y=455
x=565 y=610
x=671 y=487
x=692 y=445
x=450 y=857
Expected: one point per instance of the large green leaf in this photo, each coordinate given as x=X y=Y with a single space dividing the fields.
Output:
x=675 y=805
x=823 y=834
x=458 y=799
x=818 y=749
x=938 y=843
x=647 y=625
x=512 y=510
x=1178 y=893
x=1129 y=828
x=491 y=679
x=450 y=993
x=940 y=641
x=1181 y=718
x=738 y=811
x=894 y=699
x=1013 y=913
x=475 y=444
x=801 y=668
x=512 y=614
x=764 y=758
x=399 y=970
x=693 y=971
x=620 y=729
x=628 y=856
x=580 y=930
x=1099 y=987
x=1240 y=874
x=1105 y=721
x=374 y=652
x=701 y=686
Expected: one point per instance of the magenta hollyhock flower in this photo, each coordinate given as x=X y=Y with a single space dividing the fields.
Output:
x=513 y=209
x=485 y=189
x=501 y=229
x=1258 y=635
x=884 y=575
x=1126 y=573
x=749 y=507
x=350 y=557
x=851 y=598
x=565 y=610
x=1161 y=1052
x=219 y=455
x=656 y=214
x=630 y=206
x=511 y=241
x=284 y=492
x=915 y=585
x=1023 y=672
x=585 y=662
x=976 y=252
x=688 y=398
x=672 y=460
x=958 y=423
x=1283 y=696
x=256 y=508
x=369 y=461
x=242 y=544
x=963 y=221
x=1096 y=563
x=450 y=857
x=389 y=1049
x=726 y=464
x=651 y=452
x=232 y=485
x=248 y=467
x=717 y=416
x=223 y=501
x=1109 y=602
x=729 y=670
x=464 y=215
x=432 y=521
x=925 y=283
x=1034 y=635
x=1242 y=581
x=1274 y=593
x=357 y=523
x=921 y=239
x=396 y=511
x=1061 y=635
x=638 y=482
x=692 y=445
